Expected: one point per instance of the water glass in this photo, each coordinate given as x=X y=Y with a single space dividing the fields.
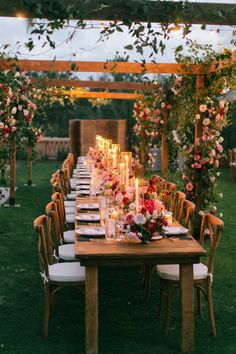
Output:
x=110 y=229
x=104 y=215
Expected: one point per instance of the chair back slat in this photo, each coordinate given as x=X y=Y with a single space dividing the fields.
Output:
x=177 y=205
x=213 y=227
x=40 y=226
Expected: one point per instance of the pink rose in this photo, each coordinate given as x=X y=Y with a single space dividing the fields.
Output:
x=202 y=108
x=218 y=118
x=157 y=111
x=189 y=186
x=129 y=218
x=220 y=148
x=14 y=110
x=163 y=104
x=169 y=106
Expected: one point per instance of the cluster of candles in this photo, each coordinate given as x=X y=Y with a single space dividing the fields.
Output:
x=122 y=161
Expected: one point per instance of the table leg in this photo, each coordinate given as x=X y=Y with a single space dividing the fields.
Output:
x=187 y=307
x=91 y=311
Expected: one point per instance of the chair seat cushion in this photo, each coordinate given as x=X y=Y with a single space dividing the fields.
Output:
x=71 y=196
x=73 y=183
x=70 y=209
x=69 y=236
x=67 y=272
x=70 y=218
x=69 y=203
x=67 y=252
x=171 y=271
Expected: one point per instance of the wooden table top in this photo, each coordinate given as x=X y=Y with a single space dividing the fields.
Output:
x=165 y=250
x=180 y=250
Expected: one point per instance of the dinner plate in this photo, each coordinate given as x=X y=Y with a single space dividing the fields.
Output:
x=155 y=238
x=83 y=192
x=88 y=217
x=175 y=230
x=91 y=231
x=83 y=182
x=89 y=206
x=83 y=186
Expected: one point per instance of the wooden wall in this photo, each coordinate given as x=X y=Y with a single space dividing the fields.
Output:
x=82 y=133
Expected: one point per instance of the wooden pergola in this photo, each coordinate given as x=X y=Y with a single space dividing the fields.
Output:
x=113 y=67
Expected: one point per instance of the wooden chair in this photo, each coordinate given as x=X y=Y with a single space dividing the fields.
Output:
x=160 y=185
x=177 y=202
x=67 y=236
x=168 y=193
x=55 y=276
x=186 y=213
x=59 y=250
x=203 y=274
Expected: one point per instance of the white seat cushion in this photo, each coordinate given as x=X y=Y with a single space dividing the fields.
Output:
x=67 y=272
x=67 y=252
x=73 y=183
x=70 y=210
x=171 y=271
x=69 y=236
x=70 y=218
x=71 y=196
x=69 y=203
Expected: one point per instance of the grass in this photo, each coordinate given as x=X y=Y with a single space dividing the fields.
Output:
x=127 y=324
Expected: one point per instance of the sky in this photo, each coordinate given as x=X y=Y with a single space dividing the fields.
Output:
x=87 y=45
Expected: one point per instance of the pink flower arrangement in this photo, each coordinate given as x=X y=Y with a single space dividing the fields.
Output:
x=146 y=223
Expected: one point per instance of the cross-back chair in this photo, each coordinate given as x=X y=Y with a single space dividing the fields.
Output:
x=168 y=193
x=60 y=251
x=66 y=235
x=55 y=276
x=202 y=274
x=177 y=203
x=186 y=213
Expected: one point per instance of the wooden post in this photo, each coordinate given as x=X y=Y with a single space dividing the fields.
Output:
x=13 y=173
x=187 y=307
x=29 y=165
x=74 y=137
x=91 y=310
x=198 y=134
x=164 y=152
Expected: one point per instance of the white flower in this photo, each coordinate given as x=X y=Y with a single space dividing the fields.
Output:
x=1 y=125
x=217 y=174
x=132 y=206
x=201 y=212
x=197 y=116
x=26 y=112
x=220 y=215
x=221 y=195
x=139 y=219
x=221 y=139
x=214 y=208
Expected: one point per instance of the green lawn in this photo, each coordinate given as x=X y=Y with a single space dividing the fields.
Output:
x=127 y=324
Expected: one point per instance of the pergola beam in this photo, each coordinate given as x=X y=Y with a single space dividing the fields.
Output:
x=154 y=11
x=104 y=95
x=101 y=67
x=110 y=85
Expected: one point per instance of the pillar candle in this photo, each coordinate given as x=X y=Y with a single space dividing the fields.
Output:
x=126 y=171
x=136 y=194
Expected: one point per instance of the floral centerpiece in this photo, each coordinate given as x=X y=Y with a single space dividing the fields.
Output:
x=147 y=223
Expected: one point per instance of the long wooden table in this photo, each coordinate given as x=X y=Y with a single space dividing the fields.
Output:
x=100 y=253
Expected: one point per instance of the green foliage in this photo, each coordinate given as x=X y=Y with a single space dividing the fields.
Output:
x=62 y=154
